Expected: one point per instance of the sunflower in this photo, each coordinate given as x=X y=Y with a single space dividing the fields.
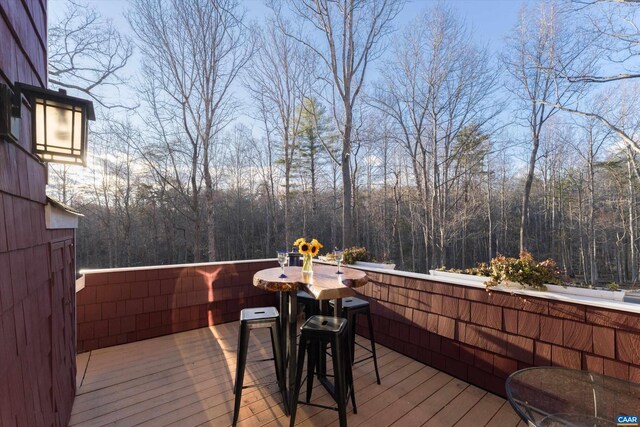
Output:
x=297 y=242
x=315 y=247
x=304 y=248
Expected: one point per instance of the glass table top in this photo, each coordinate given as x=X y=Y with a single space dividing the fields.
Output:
x=549 y=396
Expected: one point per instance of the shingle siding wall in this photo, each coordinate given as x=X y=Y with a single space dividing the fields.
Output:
x=483 y=337
x=125 y=306
x=37 y=334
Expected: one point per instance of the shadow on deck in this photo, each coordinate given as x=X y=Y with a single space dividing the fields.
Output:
x=185 y=379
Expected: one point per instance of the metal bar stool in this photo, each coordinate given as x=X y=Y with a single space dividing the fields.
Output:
x=315 y=333
x=350 y=308
x=257 y=318
x=311 y=305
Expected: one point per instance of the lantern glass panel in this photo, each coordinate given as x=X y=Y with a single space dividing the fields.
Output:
x=59 y=131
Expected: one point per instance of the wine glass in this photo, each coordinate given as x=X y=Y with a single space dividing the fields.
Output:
x=338 y=254
x=282 y=259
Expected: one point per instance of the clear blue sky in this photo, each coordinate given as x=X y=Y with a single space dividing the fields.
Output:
x=489 y=20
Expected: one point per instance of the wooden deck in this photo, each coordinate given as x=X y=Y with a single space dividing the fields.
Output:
x=185 y=379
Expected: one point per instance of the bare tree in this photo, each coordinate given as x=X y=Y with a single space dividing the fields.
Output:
x=197 y=48
x=88 y=54
x=436 y=84
x=347 y=37
x=542 y=45
x=279 y=83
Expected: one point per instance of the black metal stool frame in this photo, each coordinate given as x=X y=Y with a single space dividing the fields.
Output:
x=311 y=345
x=246 y=326
x=350 y=314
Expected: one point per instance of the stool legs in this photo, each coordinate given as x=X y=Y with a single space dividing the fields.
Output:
x=278 y=360
x=351 y=317
x=258 y=318
x=339 y=377
x=243 y=345
x=343 y=375
x=296 y=389
x=312 y=363
x=373 y=345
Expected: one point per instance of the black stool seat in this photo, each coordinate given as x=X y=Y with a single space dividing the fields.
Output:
x=256 y=318
x=353 y=303
x=311 y=305
x=316 y=333
x=351 y=307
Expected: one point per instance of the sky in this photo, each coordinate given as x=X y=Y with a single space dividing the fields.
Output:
x=489 y=20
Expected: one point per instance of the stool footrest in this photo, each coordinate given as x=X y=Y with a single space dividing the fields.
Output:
x=259 y=385
x=270 y=359
x=317 y=405
x=363 y=359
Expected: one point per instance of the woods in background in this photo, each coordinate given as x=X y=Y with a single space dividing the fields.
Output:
x=420 y=143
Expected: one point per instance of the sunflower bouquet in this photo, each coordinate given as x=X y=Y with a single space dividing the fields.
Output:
x=308 y=251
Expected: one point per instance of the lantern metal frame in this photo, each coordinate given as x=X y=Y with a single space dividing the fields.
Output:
x=37 y=96
x=9 y=113
x=40 y=100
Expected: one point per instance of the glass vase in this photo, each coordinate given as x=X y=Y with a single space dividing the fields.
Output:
x=307 y=264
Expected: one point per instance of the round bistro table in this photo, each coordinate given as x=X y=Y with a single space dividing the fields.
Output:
x=552 y=396
x=324 y=285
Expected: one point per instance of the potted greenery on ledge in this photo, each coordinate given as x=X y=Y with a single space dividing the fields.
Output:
x=359 y=256
x=524 y=271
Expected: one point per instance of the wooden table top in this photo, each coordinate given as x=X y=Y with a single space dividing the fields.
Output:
x=323 y=284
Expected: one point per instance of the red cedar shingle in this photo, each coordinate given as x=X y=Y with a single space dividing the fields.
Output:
x=510 y=320
x=617 y=320
x=565 y=357
x=142 y=321
x=450 y=307
x=504 y=366
x=6 y=290
x=139 y=289
x=628 y=347
x=464 y=310
x=479 y=313
x=535 y=305
x=577 y=335
x=567 y=311
x=483 y=360
x=101 y=328
x=3 y=228
x=94 y=279
x=10 y=223
x=18 y=275
x=494 y=317
x=85 y=331
x=551 y=330
x=604 y=341
x=592 y=363
x=520 y=348
x=542 y=355
x=529 y=324
x=93 y=312
x=616 y=369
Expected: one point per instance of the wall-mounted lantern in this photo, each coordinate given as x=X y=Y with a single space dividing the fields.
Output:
x=59 y=123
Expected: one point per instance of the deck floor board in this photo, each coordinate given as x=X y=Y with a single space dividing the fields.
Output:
x=186 y=379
